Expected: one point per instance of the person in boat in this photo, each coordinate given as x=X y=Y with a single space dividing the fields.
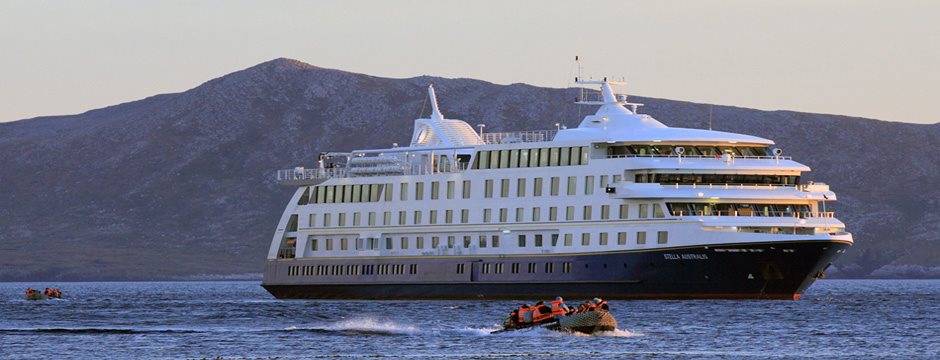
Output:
x=48 y=292
x=602 y=304
x=521 y=314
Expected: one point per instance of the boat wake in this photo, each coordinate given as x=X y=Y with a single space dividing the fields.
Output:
x=378 y=327
x=539 y=332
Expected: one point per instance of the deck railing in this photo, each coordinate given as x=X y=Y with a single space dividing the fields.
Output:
x=756 y=213
x=519 y=136
x=716 y=157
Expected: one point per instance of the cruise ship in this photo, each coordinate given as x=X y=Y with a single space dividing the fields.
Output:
x=621 y=207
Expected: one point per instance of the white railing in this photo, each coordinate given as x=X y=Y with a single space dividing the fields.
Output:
x=734 y=186
x=519 y=136
x=293 y=176
x=302 y=174
x=716 y=157
x=794 y=214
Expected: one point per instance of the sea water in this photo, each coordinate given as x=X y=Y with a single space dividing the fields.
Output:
x=130 y=320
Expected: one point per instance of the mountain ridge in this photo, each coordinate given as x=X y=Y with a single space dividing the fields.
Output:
x=177 y=185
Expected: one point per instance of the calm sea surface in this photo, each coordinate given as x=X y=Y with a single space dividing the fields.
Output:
x=836 y=318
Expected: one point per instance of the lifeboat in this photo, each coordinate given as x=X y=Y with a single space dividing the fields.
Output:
x=586 y=320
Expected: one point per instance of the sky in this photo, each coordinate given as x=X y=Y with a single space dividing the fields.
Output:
x=875 y=59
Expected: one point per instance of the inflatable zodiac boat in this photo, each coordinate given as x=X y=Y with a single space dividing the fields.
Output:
x=588 y=318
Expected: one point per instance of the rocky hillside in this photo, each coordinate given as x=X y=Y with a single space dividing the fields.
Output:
x=181 y=185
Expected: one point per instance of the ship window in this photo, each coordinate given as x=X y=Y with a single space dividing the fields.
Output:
x=404 y=243
x=483 y=160
x=585 y=239
x=621 y=238
x=605 y=212
x=616 y=179
x=553 y=159
x=519 y=214
x=460 y=268
x=514 y=158
x=387 y=188
x=624 y=211
x=419 y=191
x=603 y=239
x=641 y=237
x=544 y=156
x=302 y=200
x=524 y=158
x=552 y=213
x=554 y=184
x=533 y=157
x=503 y=215
x=482 y=240
x=487 y=215
x=356 y=193
x=499 y=268
x=451 y=242
x=419 y=242
x=432 y=217
x=515 y=268
x=603 y=183
x=494 y=159
x=495 y=240
x=504 y=188
x=569 y=239
x=503 y=159
x=538 y=240
x=485 y=268
x=321 y=194
x=343 y=244
x=417 y=217
x=329 y=244
x=403 y=192
x=357 y=217
x=520 y=187
x=584 y=155
x=329 y=194
x=401 y=218
x=450 y=189
x=312 y=221
x=387 y=218
x=565 y=157
x=572 y=185
x=342 y=219
x=554 y=240
x=347 y=193
x=576 y=156
x=388 y=243
x=569 y=213
x=467 y=239
x=587 y=212
x=448 y=216
x=435 y=190
x=536 y=214
x=644 y=211
x=326 y=220
x=488 y=188
x=464 y=216
x=466 y=189
x=588 y=185
x=566 y=267
x=314 y=244
x=537 y=187
x=435 y=242
x=662 y=237
x=521 y=240
x=531 y=268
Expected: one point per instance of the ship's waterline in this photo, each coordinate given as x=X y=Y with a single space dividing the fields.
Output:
x=621 y=206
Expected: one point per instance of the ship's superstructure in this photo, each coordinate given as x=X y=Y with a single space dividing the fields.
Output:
x=621 y=206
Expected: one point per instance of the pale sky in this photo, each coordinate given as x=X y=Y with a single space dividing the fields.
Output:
x=877 y=59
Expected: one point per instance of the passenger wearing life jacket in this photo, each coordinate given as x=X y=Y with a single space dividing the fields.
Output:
x=47 y=292
x=541 y=312
x=559 y=307
x=602 y=305
x=524 y=314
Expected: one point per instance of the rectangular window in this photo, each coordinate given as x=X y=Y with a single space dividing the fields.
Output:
x=536 y=214
x=495 y=240
x=467 y=239
x=435 y=190
x=585 y=239
x=658 y=211
x=521 y=240
x=543 y=157
x=641 y=237
x=448 y=216
x=504 y=188
x=494 y=159
x=662 y=237
x=464 y=216
x=343 y=244
x=435 y=242
x=417 y=217
x=388 y=243
x=321 y=194
x=569 y=239
x=488 y=188
x=644 y=211
x=401 y=218
x=403 y=192
x=553 y=157
x=503 y=216
x=450 y=189
x=342 y=219
x=482 y=240
x=531 y=268
x=387 y=218
x=503 y=159
x=616 y=179
x=576 y=156
x=356 y=219
x=419 y=191
x=624 y=211
x=357 y=193
x=554 y=184
x=603 y=181
x=326 y=219
x=524 y=158
x=371 y=218
x=487 y=215
x=419 y=242
x=313 y=245
x=388 y=193
x=514 y=158
x=603 y=240
x=566 y=267
x=451 y=242
x=466 y=189
x=553 y=213
x=483 y=159
x=584 y=155
x=565 y=156
x=605 y=212
x=432 y=217
x=569 y=213
x=554 y=240
x=519 y=213
x=347 y=193
x=588 y=185
x=538 y=240
x=313 y=220
x=587 y=212
x=621 y=238
x=537 y=187
x=515 y=268
x=520 y=187
x=404 y=243
x=572 y=185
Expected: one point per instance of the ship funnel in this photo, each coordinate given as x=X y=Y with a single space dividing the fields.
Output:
x=435 y=111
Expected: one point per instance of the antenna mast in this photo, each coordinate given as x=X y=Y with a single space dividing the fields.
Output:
x=709 y=117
